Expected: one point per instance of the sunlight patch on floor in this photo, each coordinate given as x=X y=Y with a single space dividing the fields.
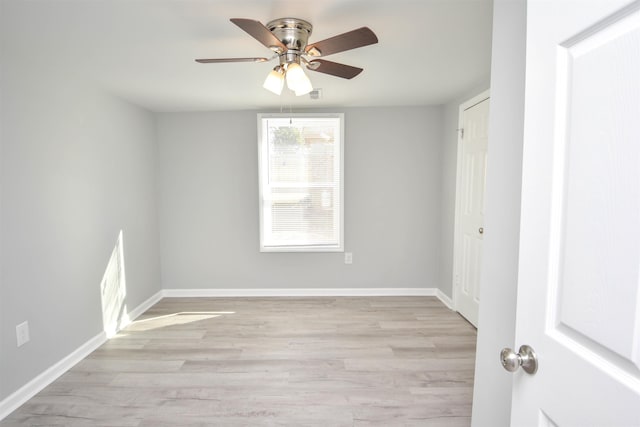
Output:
x=173 y=319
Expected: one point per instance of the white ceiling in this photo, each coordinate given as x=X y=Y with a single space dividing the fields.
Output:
x=430 y=51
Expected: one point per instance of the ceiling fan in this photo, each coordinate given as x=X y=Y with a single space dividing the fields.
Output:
x=287 y=38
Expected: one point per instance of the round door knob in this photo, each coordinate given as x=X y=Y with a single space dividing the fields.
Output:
x=510 y=359
x=525 y=357
x=481 y=230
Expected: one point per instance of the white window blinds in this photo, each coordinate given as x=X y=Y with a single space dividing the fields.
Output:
x=301 y=185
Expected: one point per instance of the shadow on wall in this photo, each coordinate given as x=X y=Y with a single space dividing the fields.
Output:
x=113 y=290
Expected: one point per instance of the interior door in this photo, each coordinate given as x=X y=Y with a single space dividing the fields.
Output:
x=578 y=292
x=470 y=205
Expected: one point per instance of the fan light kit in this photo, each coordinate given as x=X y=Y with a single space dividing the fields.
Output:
x=287 y=38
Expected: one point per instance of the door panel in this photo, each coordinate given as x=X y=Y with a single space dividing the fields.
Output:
x=597 y=285
x=579 y=278
x=472 y=256
x=473 y=146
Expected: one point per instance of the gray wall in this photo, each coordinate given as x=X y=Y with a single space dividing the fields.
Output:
x=209 y=204
x=77 y=166
x=492 y=388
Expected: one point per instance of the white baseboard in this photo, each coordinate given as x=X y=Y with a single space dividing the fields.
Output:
x=289 y=292
x=445 y=299
x=146 y=305
x=26 y=392
x=33 y=387
x=311 y=292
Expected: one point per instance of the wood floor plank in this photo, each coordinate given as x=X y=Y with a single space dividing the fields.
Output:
x=317 y=361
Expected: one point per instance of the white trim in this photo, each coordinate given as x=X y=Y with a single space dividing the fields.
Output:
x=473 y=101
x=33 y=387
x=456 y=227
x=298 y=292
x=445 y=299
x=146 y=305
x=26 y=392
x=263 y=156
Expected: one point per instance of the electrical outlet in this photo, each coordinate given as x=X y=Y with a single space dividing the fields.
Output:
x=22 y=333
x=348 y=258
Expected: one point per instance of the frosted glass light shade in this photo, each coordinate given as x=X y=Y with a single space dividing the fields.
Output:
x=304 y=86
x=295 y=75
x=274 y=82
x=296 y=79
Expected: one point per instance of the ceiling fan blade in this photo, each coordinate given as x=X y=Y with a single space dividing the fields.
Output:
x=261 y=33
x=222 y=60
x=350 y=40
x=334 y=68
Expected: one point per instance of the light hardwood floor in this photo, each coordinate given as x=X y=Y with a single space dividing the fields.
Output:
x=343 y=361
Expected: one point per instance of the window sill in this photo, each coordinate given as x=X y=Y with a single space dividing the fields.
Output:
x=309 y=249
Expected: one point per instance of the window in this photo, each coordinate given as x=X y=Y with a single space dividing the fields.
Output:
x=301 y=184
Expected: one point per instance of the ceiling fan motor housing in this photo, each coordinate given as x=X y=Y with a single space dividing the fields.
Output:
x=294 y=34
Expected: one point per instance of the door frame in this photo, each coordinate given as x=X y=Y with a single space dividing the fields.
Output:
x=457 y=232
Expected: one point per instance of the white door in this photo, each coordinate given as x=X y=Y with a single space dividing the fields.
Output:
x=578 y=292
x=472 y=166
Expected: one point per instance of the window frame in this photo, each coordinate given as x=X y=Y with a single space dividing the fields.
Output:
x=262 y=152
